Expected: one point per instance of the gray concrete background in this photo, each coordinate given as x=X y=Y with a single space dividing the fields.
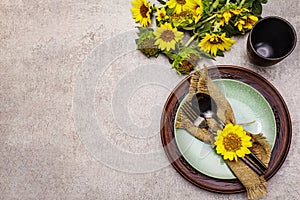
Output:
x=44 y=49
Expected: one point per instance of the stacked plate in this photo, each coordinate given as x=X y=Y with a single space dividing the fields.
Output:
x=252 y=98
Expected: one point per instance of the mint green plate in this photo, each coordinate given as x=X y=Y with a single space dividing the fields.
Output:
x=248 y=105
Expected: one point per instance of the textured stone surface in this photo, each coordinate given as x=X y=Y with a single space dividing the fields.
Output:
x=43 y=47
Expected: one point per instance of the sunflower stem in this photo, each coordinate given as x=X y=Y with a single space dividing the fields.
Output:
x=170 y=55
x=190 y=40
x=242 y=3
x=208 y=19
x=227 y=2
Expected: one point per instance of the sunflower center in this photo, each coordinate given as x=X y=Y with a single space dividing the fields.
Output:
x=182 y=2
x=183 y=14
x=216 y=40
x=232 y=142
x=186 y=66
x=144 y=10
x=167 y=36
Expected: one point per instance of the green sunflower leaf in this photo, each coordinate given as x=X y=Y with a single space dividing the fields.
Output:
x=204 y=28
x=142 y=30
x=222 y=2
x=169 y=11
x=230 y=30
x=206 y=6
x=170 y=55
x=248 y=4
x=220 y=53
x=203 y=54
x=257 y=8
x=264 y=1
x=215 y=5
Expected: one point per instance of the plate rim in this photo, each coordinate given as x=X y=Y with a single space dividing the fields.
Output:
x=280 y=111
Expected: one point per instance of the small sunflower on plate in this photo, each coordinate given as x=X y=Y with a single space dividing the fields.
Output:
x=233 y=142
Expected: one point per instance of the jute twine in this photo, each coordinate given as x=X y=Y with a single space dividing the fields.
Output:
x=256 y=186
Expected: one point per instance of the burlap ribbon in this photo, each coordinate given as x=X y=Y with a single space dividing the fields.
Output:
x=255 y=185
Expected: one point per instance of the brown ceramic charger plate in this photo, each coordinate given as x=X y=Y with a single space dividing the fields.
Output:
x=279 y=108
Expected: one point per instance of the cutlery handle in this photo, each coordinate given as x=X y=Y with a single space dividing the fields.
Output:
x=258 y=161
x=252 y=166
x=215 y=117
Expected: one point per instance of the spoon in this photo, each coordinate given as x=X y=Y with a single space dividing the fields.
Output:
x=206 y=107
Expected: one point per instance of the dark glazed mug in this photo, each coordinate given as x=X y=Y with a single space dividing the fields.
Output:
x=271 y=40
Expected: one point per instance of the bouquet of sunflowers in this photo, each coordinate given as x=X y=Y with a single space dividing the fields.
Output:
x=187 y=30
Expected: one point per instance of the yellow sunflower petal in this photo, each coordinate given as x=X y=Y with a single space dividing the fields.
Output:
x=229 y=155
x=214 y=50
x=240 y=153
x=177 y=6
x=245 y=150
x=220 y=148
x=247 y=143
x=254 y=18
x=246 y=138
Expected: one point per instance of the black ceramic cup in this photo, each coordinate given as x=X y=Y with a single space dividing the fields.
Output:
x=271 y=40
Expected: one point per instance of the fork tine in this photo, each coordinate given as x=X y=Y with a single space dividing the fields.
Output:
x=189 y=107
x=187 y=113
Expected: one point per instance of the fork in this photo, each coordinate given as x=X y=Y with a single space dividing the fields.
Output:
x=257 y=166
x=197 y=120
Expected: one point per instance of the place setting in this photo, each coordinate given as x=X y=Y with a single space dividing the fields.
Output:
x=258 y=107
x=224 y=128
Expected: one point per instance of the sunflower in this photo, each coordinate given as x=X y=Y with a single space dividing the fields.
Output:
x=178 y=5
x=233 y=142
x=239 y=11
x=183 y=19
x=228 y=14
x=225 y=17
x=185 y=61
x=161 y=14
x=246 y=22
x=196 y=7
x=141 y=12
x=167 y=36
x=146 y=43
x=213 y=43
